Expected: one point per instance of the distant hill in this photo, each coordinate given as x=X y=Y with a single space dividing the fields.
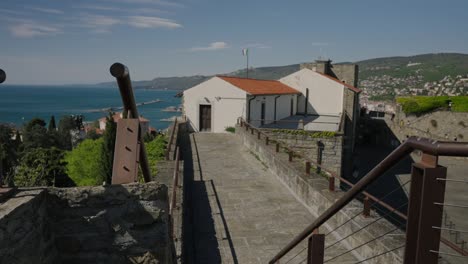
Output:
x=182 y=83
x=432 y=67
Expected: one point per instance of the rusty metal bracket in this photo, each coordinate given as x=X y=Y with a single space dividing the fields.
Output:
x=127 y=152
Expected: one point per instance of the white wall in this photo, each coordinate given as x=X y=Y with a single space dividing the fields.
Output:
x=325 y=95
x=283 y=104
x=225 y=110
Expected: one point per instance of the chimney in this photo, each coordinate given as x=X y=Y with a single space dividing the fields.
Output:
x=323 y=66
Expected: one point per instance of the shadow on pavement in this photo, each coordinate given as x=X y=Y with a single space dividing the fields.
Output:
x=200 y=243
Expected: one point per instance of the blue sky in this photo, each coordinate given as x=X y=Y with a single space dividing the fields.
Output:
x=71 y=41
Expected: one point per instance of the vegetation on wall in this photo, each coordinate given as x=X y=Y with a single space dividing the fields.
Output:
x=156 y=150
x=425 y=104
x=320 y=134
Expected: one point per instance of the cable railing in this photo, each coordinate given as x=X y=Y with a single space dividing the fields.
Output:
x=423 y=224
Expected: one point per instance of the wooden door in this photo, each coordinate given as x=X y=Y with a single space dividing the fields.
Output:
x=205 y=117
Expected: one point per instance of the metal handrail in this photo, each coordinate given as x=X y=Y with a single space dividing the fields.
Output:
x=175 y=182
x=121 y=73
x=290 y=121
x=413 y=143
x=171 y=139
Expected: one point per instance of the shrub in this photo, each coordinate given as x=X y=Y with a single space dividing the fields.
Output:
x=461 y=123
x=84 y=163
x=434 y=123
x=231 y=129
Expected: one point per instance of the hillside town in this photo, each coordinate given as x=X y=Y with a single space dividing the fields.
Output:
x=387 y=87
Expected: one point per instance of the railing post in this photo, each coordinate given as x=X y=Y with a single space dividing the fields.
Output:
x=277 y=147
x=258 y=134
x=331 y=184
x=267 y=141
x=316 y=247
x=252 y=130
x=307 y=167
x=422 y=239
x=290 y=154
x=320 y=147
x=367 y=207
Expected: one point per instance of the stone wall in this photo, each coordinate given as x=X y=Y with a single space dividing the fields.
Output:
x=442 y=125
x=308 y=147
x=112 y=224
x=25 y=235
x=313 y=191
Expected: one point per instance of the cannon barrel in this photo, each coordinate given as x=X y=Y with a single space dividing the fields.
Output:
x=121 y=73
x=2 y=76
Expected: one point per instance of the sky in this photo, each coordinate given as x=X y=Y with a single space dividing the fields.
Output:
x=76 y=41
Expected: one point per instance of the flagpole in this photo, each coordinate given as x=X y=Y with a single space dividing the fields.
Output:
x=247 y=63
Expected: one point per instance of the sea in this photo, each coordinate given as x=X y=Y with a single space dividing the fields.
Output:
x=19 y=104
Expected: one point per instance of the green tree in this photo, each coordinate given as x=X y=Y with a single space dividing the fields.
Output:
x=40 y=167
x=107 y=156
x=8 y=153
x=84 y=163
x=66 y=124
x=35 y=135
x=52 y=126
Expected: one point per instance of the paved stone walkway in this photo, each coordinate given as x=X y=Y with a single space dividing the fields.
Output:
x=241 y=213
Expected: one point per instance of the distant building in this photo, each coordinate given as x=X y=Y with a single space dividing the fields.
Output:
x=144 y=123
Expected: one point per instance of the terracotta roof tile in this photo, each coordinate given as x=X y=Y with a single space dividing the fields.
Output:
x=260 y=87
x=352 y=88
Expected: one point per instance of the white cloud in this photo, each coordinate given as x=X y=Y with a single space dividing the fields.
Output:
x=152 y=22
x=100 y=7
x=47 y=10
x=213 y=46
x=99 y=23
x=29 y=30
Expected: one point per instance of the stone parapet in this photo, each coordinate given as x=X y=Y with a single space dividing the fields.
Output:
x=112 y=224
x=312 y=191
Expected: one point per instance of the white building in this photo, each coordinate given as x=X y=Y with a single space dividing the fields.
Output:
x=315 y=98
x=218 y=102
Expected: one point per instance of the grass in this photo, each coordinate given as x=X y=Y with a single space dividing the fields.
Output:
x=424 y=104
